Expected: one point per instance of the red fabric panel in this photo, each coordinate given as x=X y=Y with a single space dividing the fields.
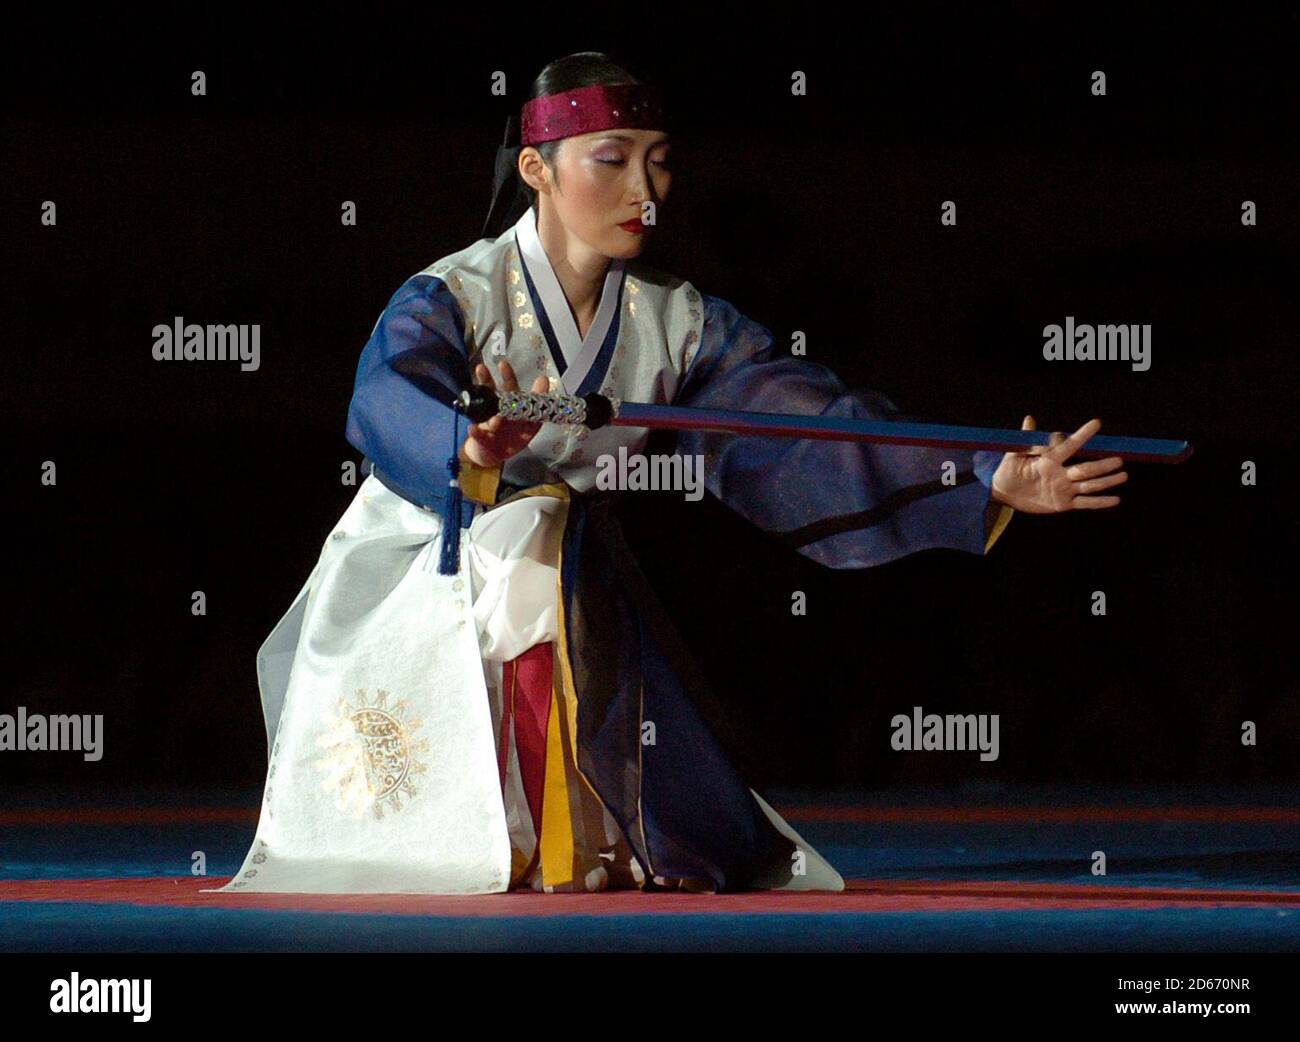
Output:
x=529 y=683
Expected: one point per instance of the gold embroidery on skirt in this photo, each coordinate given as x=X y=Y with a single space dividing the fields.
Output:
x=369 y=754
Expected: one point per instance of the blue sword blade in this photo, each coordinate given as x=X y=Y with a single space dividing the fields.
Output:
x=936 y=435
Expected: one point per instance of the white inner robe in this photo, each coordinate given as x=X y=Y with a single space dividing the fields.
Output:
x=513 y=564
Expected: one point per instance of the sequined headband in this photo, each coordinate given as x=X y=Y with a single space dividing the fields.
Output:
x=586 y=109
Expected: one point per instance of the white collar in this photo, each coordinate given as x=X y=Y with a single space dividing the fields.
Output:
x=579 y=354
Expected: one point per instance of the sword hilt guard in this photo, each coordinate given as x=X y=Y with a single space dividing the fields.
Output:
x=480 y=403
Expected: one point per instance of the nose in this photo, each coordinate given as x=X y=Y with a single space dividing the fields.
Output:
x=641 y=185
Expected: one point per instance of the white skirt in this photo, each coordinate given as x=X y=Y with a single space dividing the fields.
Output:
x=383 y=773
x=381 y=690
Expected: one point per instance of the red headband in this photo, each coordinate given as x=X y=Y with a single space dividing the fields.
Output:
x=587 y=109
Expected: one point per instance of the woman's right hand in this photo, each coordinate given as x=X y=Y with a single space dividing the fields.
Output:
x=492 y=443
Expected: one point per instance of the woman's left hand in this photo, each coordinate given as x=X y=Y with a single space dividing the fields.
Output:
x=1038 y=481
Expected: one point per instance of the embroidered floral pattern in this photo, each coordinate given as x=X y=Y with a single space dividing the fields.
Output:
x=259 y=858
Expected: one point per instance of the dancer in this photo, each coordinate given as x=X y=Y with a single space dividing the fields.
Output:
x=475 y=689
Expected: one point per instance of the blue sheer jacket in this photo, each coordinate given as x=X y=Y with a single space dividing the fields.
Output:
x=843 y=504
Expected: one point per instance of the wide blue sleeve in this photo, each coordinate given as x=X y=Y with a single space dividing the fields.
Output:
x=843 y=504
x=410 y=371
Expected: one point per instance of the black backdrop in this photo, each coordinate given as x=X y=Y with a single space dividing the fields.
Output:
x=818 y=213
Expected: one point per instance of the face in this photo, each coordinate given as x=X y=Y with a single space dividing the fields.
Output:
x=599 y=184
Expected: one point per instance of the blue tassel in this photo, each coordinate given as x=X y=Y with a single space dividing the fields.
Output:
x=449 y=562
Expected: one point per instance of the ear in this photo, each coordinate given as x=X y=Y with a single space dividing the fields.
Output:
x=533 y=170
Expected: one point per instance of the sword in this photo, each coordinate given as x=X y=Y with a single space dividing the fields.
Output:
x=593 y=411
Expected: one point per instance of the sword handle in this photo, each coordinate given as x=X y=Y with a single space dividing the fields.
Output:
x=480 y=403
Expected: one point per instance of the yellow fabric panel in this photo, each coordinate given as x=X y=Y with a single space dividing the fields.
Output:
x=1004 y=518
x=479 y=483
x=556 y=490
x=557 y=827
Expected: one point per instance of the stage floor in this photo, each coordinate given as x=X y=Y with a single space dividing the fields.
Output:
x=994 y=869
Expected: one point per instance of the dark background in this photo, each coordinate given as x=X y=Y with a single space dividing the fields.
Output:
x=818 y=213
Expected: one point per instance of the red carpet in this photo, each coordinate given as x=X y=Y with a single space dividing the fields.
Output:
x=863 y=896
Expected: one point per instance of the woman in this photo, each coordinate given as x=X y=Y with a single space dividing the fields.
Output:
x=475 y=689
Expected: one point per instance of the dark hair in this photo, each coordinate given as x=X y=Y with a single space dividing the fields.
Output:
x=510 y=195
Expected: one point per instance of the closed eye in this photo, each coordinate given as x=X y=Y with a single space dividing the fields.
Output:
x=619 y=162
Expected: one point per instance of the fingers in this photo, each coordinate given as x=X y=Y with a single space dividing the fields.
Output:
x=1094 y=502
x=1097 y=484
x=1063 y=450
x=506 y=373
x=483 y=375
x=508 y=379
x=1030 y=424
x=540 y=385
x=1055 y=438
x=1093 y=468
x=487 y=427
x=475 y=453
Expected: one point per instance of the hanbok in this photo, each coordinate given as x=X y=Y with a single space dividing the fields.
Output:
x=533 y=720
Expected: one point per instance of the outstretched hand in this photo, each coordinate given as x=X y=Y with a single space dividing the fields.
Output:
x=1037 y=481
x=491 y=443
